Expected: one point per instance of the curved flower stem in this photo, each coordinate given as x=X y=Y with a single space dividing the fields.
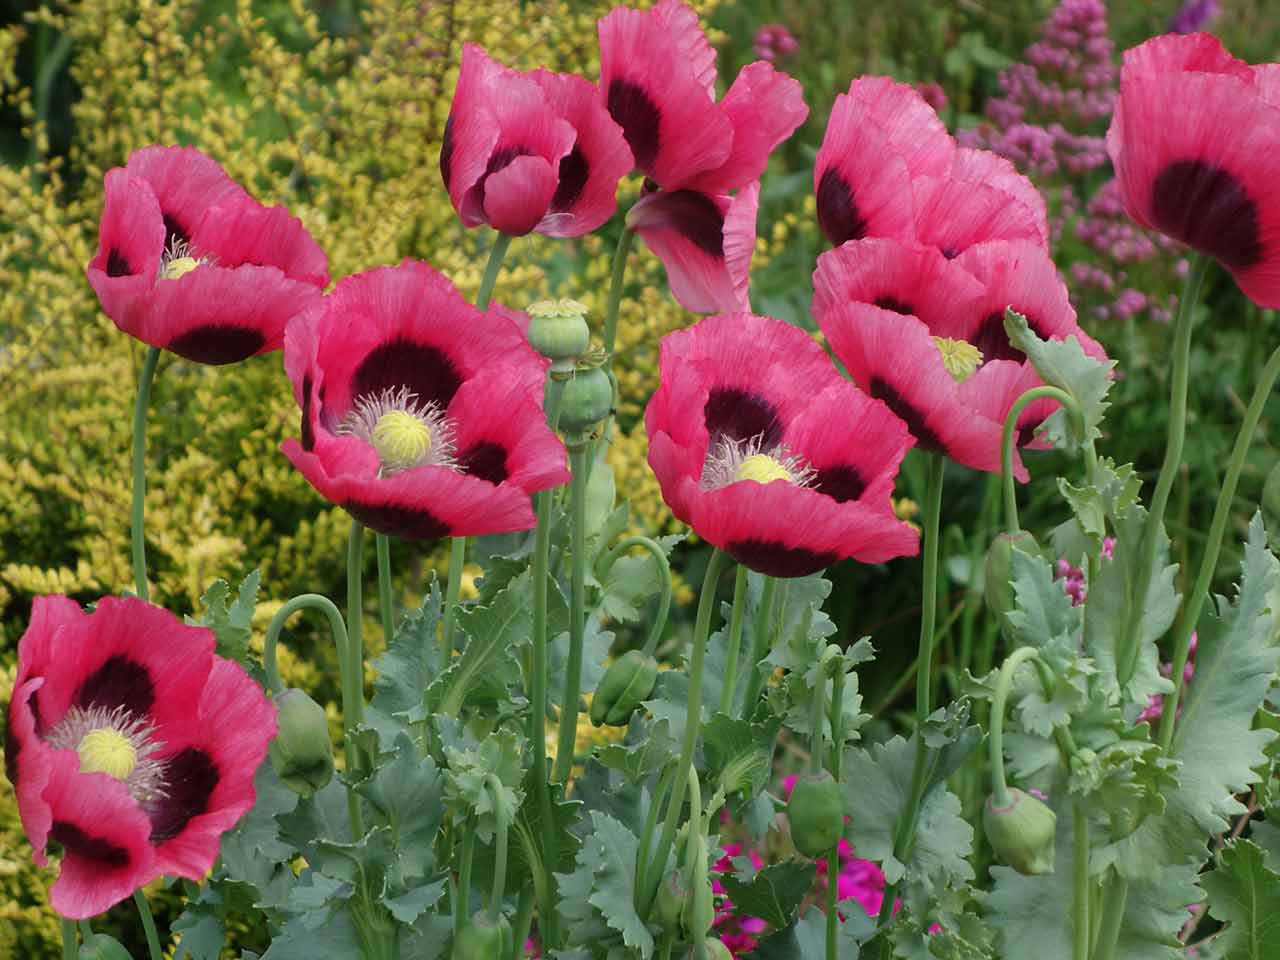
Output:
x=1127 y=647
x=693 y=716
x=620 y=255
x=457 y=560
x=735 y=640
x=1080 y=828
x=1112 y=918
x=524 y=921
x=494 y=786
x=763 y=640
x=650 y=822
x=303 y=601
x=1006 y=442
x=137 y=521
x=548 y=920
x=1209 y=562
x=995 y=737
x=386 y=605
x=905 y=836
x=664 y=566
x=70 y=940
x=496 y=255
x=833 y=858
x=148 y=925
x=577 y=604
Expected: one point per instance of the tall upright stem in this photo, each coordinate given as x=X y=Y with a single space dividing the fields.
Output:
x=386 y=604
x=905 y=835
x=735 y=640
x=1112 y=918
x=1217 y=526
x=760 y=646
x=457 y=560
x=693 y=717
x=70 y=940
x=577 y=606
x=353 y=670
x=148 y=926
x=496 y=254
x=1080 y=904
x=620 y=254
x=833 y=858
x=548 y=919
x=1127 y=648
x=137 y=522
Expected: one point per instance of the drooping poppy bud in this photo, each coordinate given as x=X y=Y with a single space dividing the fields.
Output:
x=481 y=938
x=998 y=579
x=672 y=898
x=816 y=812
x=1022 y=833
x=627 y=683
x=301 y=753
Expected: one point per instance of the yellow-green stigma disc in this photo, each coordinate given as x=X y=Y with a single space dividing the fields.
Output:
x=107 y=751
x=761 y=468
x=960 y=357
x=401 y=439
x=562 y=309
x=178 y=267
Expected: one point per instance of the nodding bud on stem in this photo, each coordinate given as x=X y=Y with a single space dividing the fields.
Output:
x=998 y=585
x=670 y=905
x=301 y=753
x=1021 y=833
x=482 y=938
x=816 y=813
x=627 y=683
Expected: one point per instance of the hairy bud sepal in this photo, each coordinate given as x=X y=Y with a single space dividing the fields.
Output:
x=998 y=578
x=1021 y=833
x=627 y=683
x=301 y=753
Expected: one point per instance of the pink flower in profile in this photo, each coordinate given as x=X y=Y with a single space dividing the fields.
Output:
x=189 y=262
x=1193 y=141
x=703 y=159
x=530 y=151
x=129 y=744
x=774 y=40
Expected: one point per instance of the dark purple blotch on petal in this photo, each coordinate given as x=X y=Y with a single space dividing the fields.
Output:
x=217 y=344
x=696 y=217
x=190 y=777
x=574 y=170
x=993 y=342
x=398 y=520
x=174 y=232
x=118 y=264
x=740 y=415
x=308 y=434
x=119 y=682
x=500 y=160
x=1207 y=208
x=926 y=438
x=896 y=305
x=426 y=371
x=485 y=460
x=778 y=560
x=838 y=214
x=840 y=482
x=446 y=151
x=75 y=840
x=639 y=118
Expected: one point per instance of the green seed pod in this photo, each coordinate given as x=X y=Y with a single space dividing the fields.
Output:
x=999 y=572
x=816 y=812
x=587 y=399
x=480 y=938
x=1021 y=834
x=558 y=329
x=301 y=753
x=672 y=897
x=627 y=683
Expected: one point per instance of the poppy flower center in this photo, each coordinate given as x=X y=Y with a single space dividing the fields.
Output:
x=178 y=267
x=733 y=461
x=960 y=357
x=107 y=750
x=403 y=432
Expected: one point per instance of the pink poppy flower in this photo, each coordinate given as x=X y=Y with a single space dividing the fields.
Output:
x=925 y=335
x=129 y=744
x=189 y=262
x=1193 y=142
x=767 y=452
x=658 y=77
x=530 y=151
x=421 y=415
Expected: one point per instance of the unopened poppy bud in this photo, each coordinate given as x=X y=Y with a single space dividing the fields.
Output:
x=301 y=753
x=558 y=329
x=998 y=585
x=699 y=910
x=670 y=905
x=587 y=399
x=816 y=813
x=1022 y=833
x=627 y=683
x=716 y=950
x=482 y=938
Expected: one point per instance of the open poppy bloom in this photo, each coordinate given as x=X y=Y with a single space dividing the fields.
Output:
x=530 y=151
x=1193 y=140
x=131 y=745
x=658 y=77
x=421 y=415
x=769 y=454
x=189 y=262
x=925 y=334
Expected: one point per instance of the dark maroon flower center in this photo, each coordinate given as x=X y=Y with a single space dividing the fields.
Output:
x=574 y=170
x=841 y=482
x=896 y=305
x=119 y=682
x=75 y=840
x=216 y=343
x=993 y=342
x=1208 y=208
x=738 y=415
x=190 y=779
x=175 y=234
x=639 y=118
x=446 y=151
x=838 y=214
x=925 y=436
x=778 y=560
x=308 y=434
x=697 y=218
x=425 y=371
x=117 y=264
x=398 y=520
x=485 y=460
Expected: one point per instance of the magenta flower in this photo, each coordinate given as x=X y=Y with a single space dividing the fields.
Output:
x=530 y=151
x=189 y=262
